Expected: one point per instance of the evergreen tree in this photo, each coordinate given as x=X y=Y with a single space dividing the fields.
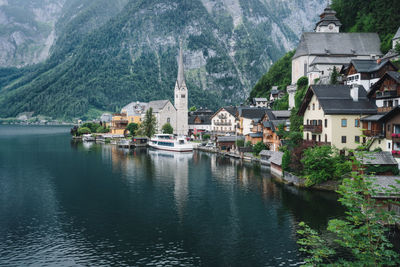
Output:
x=149 y=125
x=334 y=76
x=167 y=128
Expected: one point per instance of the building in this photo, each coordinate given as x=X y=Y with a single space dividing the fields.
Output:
x=105 y=118
x=260 y=102
x=248 y=116
x=332 y=114
x=383 y=131
x=366 y=72
x=119 y=122
x=200 y=121
x=224 y=121
x=181 y=99
x=227 y=143
x=386 y=91
x=134 y=111
x=275 y=95
x=164 y=112
x=392 y=54
x=320 y=51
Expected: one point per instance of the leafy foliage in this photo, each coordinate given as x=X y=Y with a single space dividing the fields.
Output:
x=240 y=143
x=132 y=128
x=258 y=147
x=334 y=76
x=323 y=163
x=84 y=130
x=280 y=74
x=362 y=232
x=149 y=124
x=370 y=16
x=167 y=129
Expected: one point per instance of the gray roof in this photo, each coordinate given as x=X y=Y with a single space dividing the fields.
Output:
x=375 y=117
x=256 y=135
x=368 y=65
x=386 y=183
x=181 y=72
x=157 y=105
x=326 y=60
x=205 y=119
x=378 y=158
x=252 y=112
x=328 y=17
x=395 y=75
x=336 y=99
x=397 y=35
x=276 y=158
x=266 y=153
x=391 y=54
x=339 y=44
x=135 y=108
x=281 y=114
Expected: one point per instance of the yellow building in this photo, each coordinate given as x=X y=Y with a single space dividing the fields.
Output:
x=119 y=123
x=332 y=114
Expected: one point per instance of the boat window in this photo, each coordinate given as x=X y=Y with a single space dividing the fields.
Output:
x=181 y=142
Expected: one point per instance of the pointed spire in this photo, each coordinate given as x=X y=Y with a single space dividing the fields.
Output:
x=181 y=72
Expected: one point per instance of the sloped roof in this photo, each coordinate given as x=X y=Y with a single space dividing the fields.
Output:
x=205 y=119
x=232 y=138
x=336 y=99
x=378 y=158
x=397 y=35
x=342 y=44
x=386 y=183
x=259 y=99
x=135 y=108
x=256 y=135
x=157 y=105
x=281 y=114
x=392 y=74
x=368 y=65
x=327 y=60
x=376 y=117
x=252 y=113
x=276 y=158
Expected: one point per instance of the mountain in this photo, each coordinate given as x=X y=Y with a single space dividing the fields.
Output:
x=104 y=55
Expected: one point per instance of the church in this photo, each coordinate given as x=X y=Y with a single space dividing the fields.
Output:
x=319 y=52
x=163 y=110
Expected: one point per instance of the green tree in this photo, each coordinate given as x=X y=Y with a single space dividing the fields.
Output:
x=193 y=108
x=240 y=143
x=91 y=125
x=84 y=130
x=286 y=160
x=334 y=76
x=167 y=128
x=258 y=147
x=102 y=129
x=132 y=128
x=362 y=232
x=206 y=136
x=323 y=163
x=149 y=124
x=248 y=144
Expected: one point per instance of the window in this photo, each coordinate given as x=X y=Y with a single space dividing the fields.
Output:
x=357 y=139
x=388 y=145
x=396 y=103
x=344 y=122
x=183 y=96
x=319 y=138
x=168 y=120
x=308 y=122
x=319 y=106
x=388 y=128
x=326 y=138
x=313 y=106
x=308 y=107
x=357 y=123
x=344 y=140
x=326 y=123
x=308 y=137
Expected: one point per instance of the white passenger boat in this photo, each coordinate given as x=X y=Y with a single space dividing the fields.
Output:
x=170 y=143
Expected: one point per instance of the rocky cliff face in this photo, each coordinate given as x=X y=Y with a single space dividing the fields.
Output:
x=131 y=47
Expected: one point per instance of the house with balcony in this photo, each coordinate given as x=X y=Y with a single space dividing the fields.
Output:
x=386 y=92
x=119 y=122
x=366 y=72
x=200 y=121
x=248 y=117
x=383 y=131
x=332 y=114
x=224 y=121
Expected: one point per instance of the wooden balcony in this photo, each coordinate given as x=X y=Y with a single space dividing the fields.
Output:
x=219 y=123
x=313 y=128
x=372 y=133
x=384 y=109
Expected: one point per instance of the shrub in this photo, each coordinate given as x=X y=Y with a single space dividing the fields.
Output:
x=240 y=143
x=132 y=128
x=167 y=128
x=257 y=148
x=248 y=144
x=102 y=129
x=286 y=160
x=84 y=130
x=206 y=136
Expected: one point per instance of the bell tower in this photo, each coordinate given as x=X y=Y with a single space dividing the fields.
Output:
x=328 y=21
x=181 y=98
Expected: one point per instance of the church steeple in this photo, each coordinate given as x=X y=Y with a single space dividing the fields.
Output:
x=328 y=21
x=181 y=72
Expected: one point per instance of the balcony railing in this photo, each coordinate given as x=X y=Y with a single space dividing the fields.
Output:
x=311 y=143
x=384 y=109
x=313 y=128
x=391 y=93
x=371 y=133
x=223 y=123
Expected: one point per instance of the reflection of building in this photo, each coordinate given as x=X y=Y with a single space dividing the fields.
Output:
x=175 y=166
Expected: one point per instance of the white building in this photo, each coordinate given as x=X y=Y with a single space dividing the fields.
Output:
x=224 y=120
x=181 y=99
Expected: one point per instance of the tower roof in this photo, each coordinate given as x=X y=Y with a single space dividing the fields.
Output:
x=181 y=72
x=328 y=17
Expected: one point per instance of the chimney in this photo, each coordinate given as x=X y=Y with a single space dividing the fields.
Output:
x=354 y=92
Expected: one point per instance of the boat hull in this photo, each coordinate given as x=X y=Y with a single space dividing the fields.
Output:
x=173 y=149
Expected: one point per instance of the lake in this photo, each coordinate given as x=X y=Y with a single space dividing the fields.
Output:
x=66 y=203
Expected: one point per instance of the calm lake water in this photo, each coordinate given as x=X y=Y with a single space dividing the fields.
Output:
x=64 y=203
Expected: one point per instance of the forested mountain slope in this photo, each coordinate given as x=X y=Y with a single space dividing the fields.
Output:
x=106 y=54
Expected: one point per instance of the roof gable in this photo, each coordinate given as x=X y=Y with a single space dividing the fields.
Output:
x=388 y=75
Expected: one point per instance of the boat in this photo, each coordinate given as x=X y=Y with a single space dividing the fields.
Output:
x=88 y=138
x=169 y=143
